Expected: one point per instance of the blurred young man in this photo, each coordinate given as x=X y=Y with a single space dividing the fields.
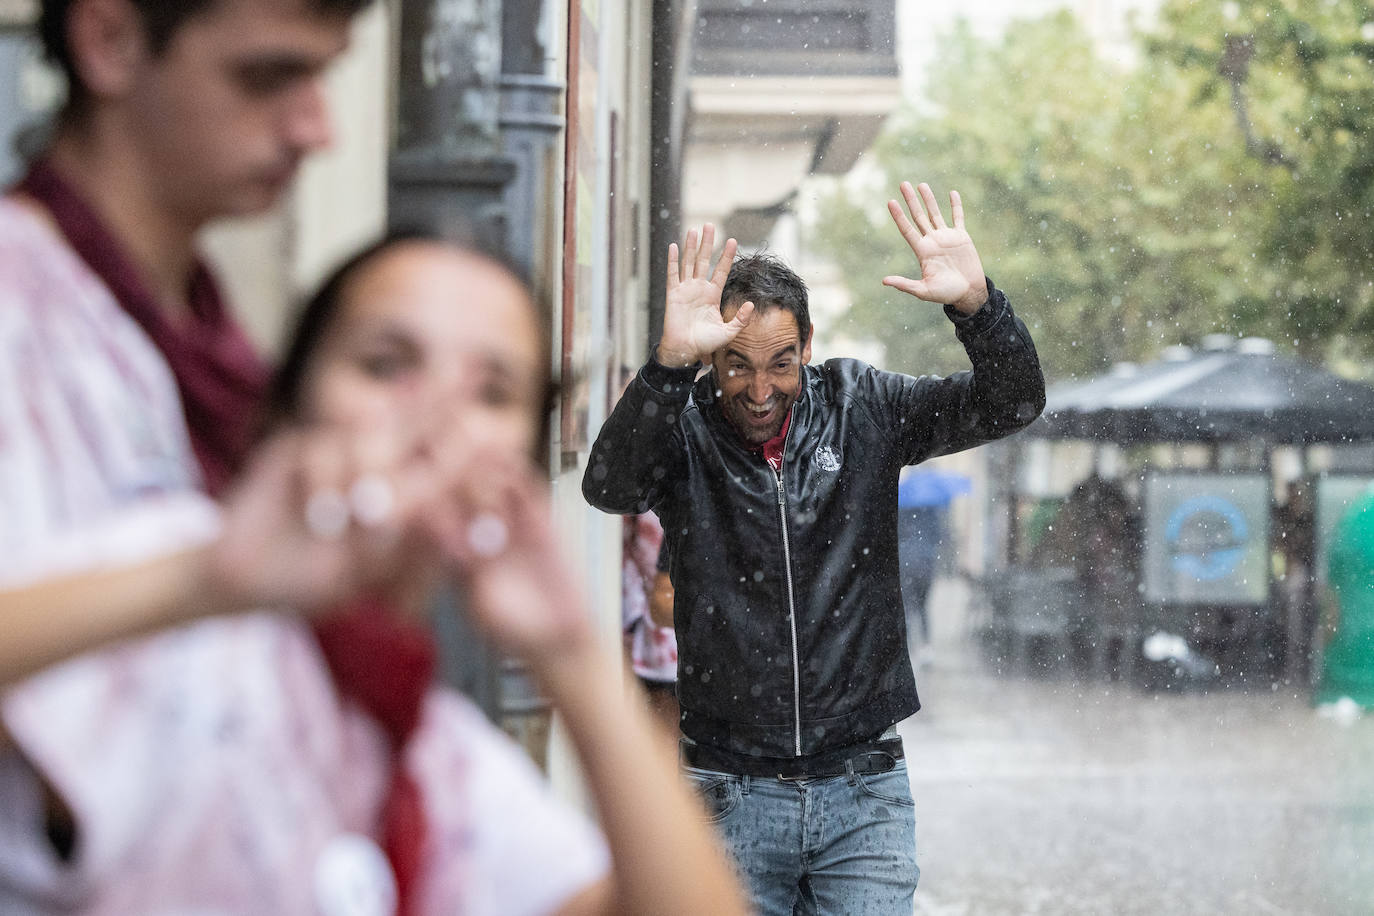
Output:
x=776 y=483
x=127 y=392
x=178 y=114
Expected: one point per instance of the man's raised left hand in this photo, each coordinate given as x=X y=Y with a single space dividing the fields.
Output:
x=951 y=271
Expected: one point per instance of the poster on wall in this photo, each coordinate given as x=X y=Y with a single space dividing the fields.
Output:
x=1206 y=538
x=1336 y=495
x=579 y=230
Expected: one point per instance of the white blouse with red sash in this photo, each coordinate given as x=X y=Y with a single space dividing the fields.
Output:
x=212 y=768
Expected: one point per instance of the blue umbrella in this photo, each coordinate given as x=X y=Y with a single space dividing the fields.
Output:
x=930 y=487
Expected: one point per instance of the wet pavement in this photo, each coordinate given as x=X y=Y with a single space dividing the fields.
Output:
x=1049 y=794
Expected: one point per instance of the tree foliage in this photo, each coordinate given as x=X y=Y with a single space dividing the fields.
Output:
x=1222 y=183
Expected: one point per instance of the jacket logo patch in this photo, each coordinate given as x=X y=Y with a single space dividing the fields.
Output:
x=827 y=459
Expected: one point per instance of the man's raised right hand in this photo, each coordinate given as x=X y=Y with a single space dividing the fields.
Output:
x=693 y=327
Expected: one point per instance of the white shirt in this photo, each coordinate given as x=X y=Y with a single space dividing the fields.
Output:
x=212 y=768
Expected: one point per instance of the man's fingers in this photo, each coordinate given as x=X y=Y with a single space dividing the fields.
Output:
x=743 y=316
x=674 y=277
x=956 y=209
x=908 y=231
x=702 y=268
x=727 y=259
x=932 y=207
x=918 y=210
x=689 y=254
x=911 y=287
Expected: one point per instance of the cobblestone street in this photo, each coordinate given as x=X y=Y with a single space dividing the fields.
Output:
x=1051 y=795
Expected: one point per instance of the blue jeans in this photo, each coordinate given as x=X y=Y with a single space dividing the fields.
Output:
x=838 y=845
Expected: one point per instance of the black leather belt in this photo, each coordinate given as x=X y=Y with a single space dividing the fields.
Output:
x=866 y=759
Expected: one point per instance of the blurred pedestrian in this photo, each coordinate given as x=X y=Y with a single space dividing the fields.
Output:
x=1346 y=682
x=923 y=498
x=1295 y=554
x=920 y=534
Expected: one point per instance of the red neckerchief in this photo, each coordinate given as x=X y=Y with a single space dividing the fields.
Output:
x=385 y=663
x=221 y=380
x=377 y=658
x=772 y=449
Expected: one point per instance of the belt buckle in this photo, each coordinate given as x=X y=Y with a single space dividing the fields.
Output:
x=884 y=757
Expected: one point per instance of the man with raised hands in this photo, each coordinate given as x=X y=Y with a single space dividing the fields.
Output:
x=776 y=482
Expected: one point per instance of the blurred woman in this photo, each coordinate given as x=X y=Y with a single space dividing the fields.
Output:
x=270 y=762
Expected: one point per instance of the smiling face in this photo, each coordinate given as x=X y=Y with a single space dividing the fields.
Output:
x=759 y=374
x=423 y=323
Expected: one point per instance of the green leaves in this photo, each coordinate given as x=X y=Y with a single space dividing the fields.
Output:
x=1223 y=182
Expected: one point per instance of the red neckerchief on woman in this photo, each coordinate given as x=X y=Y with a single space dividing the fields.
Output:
x=376 y=657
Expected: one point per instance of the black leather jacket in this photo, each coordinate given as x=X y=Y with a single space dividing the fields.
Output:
x=790 y=628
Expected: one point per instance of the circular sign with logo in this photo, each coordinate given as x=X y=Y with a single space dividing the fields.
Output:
x=1206 y=538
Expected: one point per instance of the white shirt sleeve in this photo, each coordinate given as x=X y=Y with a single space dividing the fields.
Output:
x=96 y=472
x=506 y=846
x=153 y=527
x=96 y=468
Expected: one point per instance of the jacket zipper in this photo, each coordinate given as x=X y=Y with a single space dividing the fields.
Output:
x=791 y=611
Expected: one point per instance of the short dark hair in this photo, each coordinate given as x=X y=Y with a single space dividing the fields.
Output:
x=321 y=310
x=161 y=20
x=766 y=281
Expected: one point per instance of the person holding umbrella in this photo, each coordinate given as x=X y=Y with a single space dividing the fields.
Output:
x=923 y=499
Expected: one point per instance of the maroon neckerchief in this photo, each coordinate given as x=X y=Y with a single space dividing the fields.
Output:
x=377 y=658
x=772 y=449
x=221 y=380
